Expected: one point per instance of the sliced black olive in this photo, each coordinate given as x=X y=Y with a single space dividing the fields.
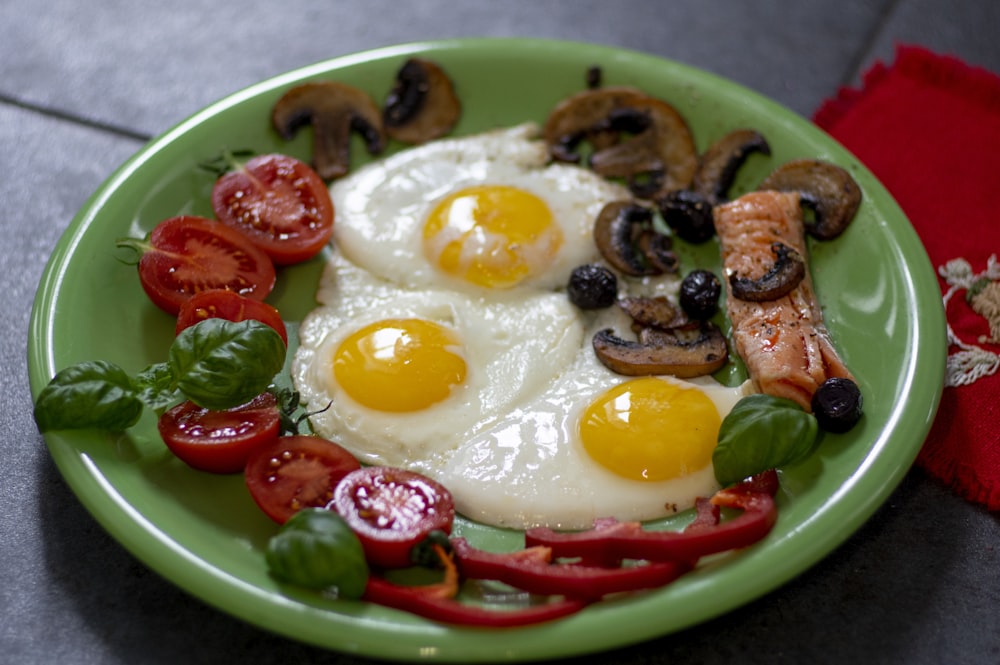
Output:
x=788 y=270
x=827 y=189
x=592 y=286
x=699 y=294
x=837 y=405
x=688 y=214
x=719 y=164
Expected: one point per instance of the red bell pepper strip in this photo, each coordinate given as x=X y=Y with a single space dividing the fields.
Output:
x=610 y=540
x=447 y=610
x=531 y=570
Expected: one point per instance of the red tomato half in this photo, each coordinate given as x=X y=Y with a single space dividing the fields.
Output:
x=220 y=441
x=278 y=202
x=229 y=305
x=186 y=255
x=391 y=510
x=296 y=472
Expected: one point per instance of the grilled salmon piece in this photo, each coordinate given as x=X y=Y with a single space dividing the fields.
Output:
x=783 y=342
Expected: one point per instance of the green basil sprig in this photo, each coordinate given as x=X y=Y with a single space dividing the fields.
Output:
x=760 y=433
x=217 y=364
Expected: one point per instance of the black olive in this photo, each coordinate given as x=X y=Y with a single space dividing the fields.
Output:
x=592 y=287
x=699 y=295
x=837 y=405
x=688 y=214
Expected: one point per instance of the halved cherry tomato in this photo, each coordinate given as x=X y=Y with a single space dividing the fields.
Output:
x=188 y=254
x=296 y=472
x=392 y=510
x=278 y=202
x=220 y=441
x=229 y=305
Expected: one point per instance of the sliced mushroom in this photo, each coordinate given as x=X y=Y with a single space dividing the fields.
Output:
x=422 y=104
x=617 y=232
x=657 y=249
x=827 y=189
x=694 y=349
x=788 y=270
x=651 y=311
x=334 y=110
x=719 y=164
x=657 y=155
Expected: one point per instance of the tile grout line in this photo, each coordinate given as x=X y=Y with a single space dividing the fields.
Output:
x=853 y=71
x=75 y=119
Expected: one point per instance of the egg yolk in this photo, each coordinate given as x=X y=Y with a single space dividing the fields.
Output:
x=491 y=235
x=400 y=365
x=648 y=429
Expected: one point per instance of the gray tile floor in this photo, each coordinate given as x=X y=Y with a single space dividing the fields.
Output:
x=84 y=85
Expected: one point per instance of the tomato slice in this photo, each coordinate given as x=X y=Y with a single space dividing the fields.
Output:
x=278 y=202
x=220 y=441
x=229 y=305
x=188 y=254
x=392 y=510
x=296 y=472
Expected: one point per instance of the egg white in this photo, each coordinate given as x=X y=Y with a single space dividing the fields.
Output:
x=382 y=207
x=513 y=348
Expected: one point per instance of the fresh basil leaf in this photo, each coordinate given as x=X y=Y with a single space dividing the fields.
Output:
x=95 y=394
x=218 y=364
x=157 y=389
x=760 y=433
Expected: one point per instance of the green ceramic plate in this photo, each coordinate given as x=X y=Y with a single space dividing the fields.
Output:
x=204 y=533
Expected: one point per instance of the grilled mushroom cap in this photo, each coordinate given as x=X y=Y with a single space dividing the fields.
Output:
x=689 y=350
x=788 y=270
x=658 y=154
x=829 y=190
x=718 y=165
x=422 y=104
x=624 y=235
x=334 y=110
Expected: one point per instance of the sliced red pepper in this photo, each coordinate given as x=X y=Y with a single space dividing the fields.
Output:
x=447 y=610
x=531 y=570
x=610 y=540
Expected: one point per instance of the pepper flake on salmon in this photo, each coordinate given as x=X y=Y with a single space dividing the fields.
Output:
x=783 y=341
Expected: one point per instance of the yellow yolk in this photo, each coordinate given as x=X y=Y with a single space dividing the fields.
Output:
x=490 y=235
x=400 y=365
x=649 y=429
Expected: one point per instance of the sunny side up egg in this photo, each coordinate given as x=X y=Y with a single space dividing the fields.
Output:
x=445 y=342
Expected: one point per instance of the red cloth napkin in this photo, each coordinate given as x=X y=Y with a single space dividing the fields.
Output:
x=928 y=127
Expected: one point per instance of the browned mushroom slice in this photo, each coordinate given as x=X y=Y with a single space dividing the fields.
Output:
x=788 y=270
x=422 y=104
x=694 y=349
x=617 y=230
x=719 y=164
x=658 y=148
x=827 y=189
x=650 y=311
x=657 y=248
x=334 y=110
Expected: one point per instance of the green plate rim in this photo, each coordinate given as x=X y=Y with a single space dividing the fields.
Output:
x=364 y=630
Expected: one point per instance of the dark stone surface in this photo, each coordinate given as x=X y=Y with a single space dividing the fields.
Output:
x=83 y=83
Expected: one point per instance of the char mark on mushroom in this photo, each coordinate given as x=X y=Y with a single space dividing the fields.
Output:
x=830 y=191
x=788 y=270
x=422 y=104
x=693 y=349
x=624 y=234
x=718 y=165
x=634 y=136
x=334 y=110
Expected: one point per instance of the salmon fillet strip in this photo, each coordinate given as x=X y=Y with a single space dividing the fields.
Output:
x=784 y=343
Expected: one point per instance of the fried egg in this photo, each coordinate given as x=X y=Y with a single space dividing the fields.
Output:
x=475 y=213
x=445 y=343
x=409 y=375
